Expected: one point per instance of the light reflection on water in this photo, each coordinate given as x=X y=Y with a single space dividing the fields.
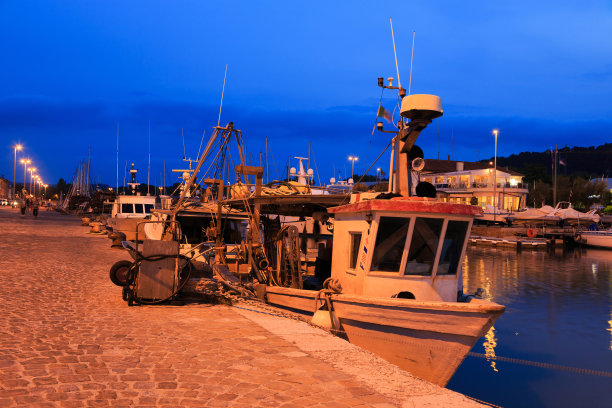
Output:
x=558 y=311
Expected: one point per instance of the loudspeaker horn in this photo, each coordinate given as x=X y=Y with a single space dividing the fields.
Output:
x=418 y=164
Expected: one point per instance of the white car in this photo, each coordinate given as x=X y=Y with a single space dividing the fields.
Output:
x=4 y=201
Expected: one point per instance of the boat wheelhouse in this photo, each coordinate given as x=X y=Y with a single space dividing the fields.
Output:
x=405 y=247
x=133 y=206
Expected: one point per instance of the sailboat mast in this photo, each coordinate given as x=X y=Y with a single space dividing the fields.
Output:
x=267 y=173
x=117 y=191
x=149 y=166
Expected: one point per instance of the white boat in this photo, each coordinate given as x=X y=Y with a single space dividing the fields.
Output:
x=535 y=216
x=600 y=239
x=396 y=272
x=492 y=215
x=128 y=210
x=570 y=216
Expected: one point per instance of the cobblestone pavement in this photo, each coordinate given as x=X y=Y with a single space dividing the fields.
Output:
x=68 y=340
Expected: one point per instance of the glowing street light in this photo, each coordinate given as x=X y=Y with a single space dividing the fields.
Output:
x=353 y=159
x=25 y=163
x=32 y=171
x=378 y=169
x=16 y=147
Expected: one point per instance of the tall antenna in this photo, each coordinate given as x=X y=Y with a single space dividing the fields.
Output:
x=438 y=140
x=149 y=167
x=183 y=136
x=399 y=82
x=117 y=191
x=222 y=92
x=411 y=58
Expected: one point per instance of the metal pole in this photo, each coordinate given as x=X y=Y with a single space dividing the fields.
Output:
x=14 y=171
x=25 y=166
x=495 y=200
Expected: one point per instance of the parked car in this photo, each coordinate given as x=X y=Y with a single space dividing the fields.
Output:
x=4 y=201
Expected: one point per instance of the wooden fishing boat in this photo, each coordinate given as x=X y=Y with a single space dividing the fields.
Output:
x=398 y=263
x=396 y=281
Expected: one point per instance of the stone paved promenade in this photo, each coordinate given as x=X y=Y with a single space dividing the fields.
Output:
x=68 y=340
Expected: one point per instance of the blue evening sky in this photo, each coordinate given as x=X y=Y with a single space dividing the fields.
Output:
x=298 y=72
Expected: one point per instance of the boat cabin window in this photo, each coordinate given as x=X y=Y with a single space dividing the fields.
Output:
x=127 y=208
x=423 y=246
x=354 y=249
x=451 y=247
x=148 y=208
x=389 y=246
x=139 y=208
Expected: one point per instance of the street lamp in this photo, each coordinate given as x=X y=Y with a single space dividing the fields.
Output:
x=16 y=147
x=45 y=186
x=25 y=163
x=32 y=171
x=378 y=169
x=353 y=159
x=495 y=200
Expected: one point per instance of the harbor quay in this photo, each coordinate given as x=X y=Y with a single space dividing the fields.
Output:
x=67 y=339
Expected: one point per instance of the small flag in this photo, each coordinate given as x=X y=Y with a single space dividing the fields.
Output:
x=383 y=113
x=561 y=162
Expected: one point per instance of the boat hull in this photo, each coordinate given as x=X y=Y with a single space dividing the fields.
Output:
x=427 y=339
x=598 y=240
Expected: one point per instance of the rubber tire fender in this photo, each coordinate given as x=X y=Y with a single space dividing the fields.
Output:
x=119 y=272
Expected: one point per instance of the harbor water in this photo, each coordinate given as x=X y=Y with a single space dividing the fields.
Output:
x=558 y=319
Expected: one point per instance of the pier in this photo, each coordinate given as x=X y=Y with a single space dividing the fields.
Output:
x=69 y=340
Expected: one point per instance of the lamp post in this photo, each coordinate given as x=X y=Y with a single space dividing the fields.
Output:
x=378 y=169
x=495 y=200
x=16 y=147
x=353 y=159
x=25 y=163
x=32 y=171
x=45 y=186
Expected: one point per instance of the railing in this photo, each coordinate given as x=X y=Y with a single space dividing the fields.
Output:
x=463 y=186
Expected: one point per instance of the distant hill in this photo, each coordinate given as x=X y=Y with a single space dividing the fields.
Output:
x=579 y=161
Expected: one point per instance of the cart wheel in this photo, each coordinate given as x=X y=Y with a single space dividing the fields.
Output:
x=119 y=272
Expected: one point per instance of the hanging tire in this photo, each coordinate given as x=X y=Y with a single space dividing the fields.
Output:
x=119 y=272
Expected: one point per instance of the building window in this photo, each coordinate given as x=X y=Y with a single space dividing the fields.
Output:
x=389 y=246
x=451 y=247
x=139 y=208
x=148 y=208
x=355 y=241
x=423 y=246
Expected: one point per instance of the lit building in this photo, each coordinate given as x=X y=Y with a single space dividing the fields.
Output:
x=458 y=182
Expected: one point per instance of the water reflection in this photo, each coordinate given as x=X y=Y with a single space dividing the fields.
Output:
x=558 y=311
x=489 y=346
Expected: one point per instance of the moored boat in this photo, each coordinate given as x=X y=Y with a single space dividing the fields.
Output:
x=396 y=281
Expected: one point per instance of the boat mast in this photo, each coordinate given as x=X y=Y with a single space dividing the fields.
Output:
x=117 y=191
x=149 y=166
